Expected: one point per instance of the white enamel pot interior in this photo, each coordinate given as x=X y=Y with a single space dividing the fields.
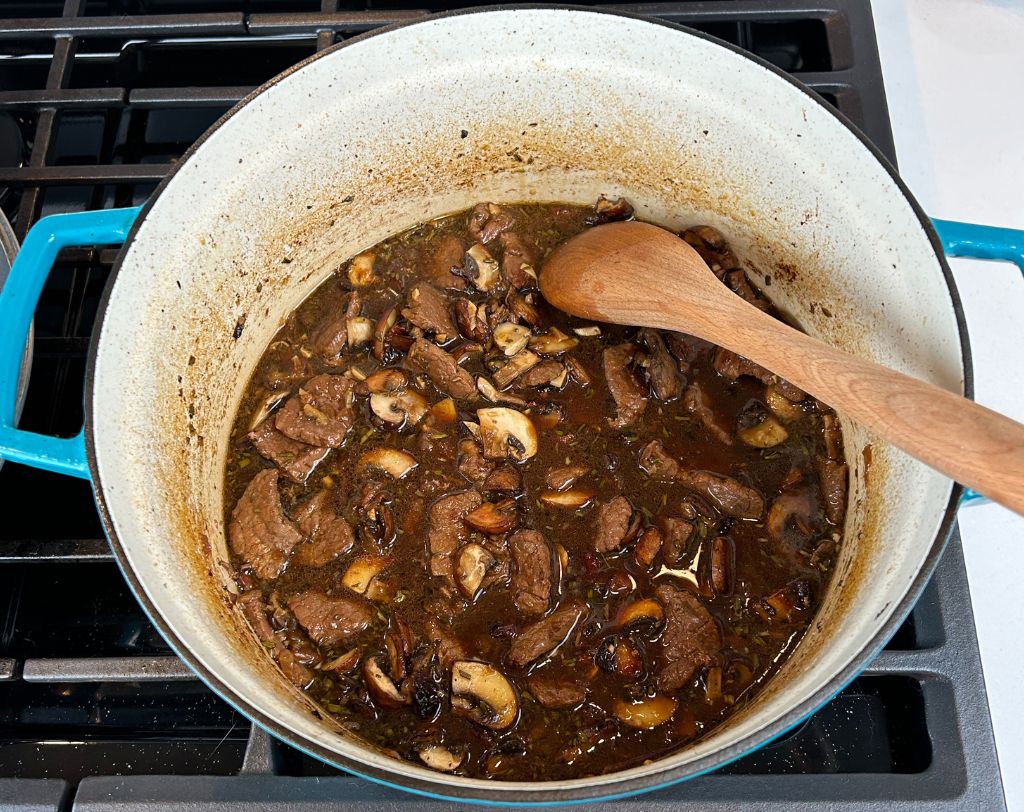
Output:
x=528 y=104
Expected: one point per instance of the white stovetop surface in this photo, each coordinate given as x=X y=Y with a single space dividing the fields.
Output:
x=954 y=75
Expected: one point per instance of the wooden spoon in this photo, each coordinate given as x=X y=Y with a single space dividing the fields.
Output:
x=639 y=274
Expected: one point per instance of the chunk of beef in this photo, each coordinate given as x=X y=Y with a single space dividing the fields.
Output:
x=519 y=261
x=662 y=368
x=472 y=321
x=296 y=460
x=732 y=366
x=712 y=247
x=442 y=369
x=656 y=462
x=255 y=611
x=725 y=493
x=447 y=646
x=686 y=349
x=613 y=524
x=677 y=533
x=690 y=640
x=740 y=285
x=833 y=488
x=259 y=531
x=428 y=308
x=446 y=530
x=504 y=477
x=546 y=635
x=447 y=254
x=630 y=398
x=546 y=373
x=328 y=535
x=556 y=693
x=531 y=578
x=560 y=478
x=320 y=413
x=697 y=403
x=329 y=620
x=287 y=371
x=488 y=221
x=472 y=464
x=331 y=340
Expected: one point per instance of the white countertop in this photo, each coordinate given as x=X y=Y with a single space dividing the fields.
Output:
x=954 y=75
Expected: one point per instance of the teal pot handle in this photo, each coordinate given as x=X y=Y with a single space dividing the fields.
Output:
x=980 y=242
x=18 y=299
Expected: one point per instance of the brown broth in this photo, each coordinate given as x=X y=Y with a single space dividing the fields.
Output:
x=546 y=744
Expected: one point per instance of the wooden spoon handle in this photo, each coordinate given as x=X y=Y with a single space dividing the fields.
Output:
x=977 y=447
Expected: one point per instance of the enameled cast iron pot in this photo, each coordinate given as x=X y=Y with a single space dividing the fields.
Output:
x=414 y=122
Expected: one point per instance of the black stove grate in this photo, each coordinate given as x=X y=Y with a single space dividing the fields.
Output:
x=99 y=100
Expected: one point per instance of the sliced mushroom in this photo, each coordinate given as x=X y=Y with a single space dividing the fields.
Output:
x=506 y=433
x=577 y=371
x=482 y=694
x=360 y=270
x=473 y=564
x=391 y=461
x=386 y=381
x=645 y=611
x=267 y=407
x=769 y=432
x=440 y=758
x=343 y=663
x=781 y=405
x=471 y=321
x=645 y=714
x=362 y=571
x=522 y=305
x=495 y=395
x=510 y=338
x=381 y=329
x=443 y=412
x=494 y=518
x=590 y=331
x=790 y=504
x=553 y=342
x=403 y=408
x=481 y=268
x=360 y=330
x=648 y=545
x=383 y=691
x=573 y=499
x=620 y=656
x=399 y=644
x=517 y=365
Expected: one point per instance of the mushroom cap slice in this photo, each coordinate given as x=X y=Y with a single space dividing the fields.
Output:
x=482 y=694
x=441 y=758
x=485 y=265
x=398 y=408
x=507 y=434
x=510 y=338
x=646 y=713
x=362 y=570
x=391 y=461
x=384 y=692
x=473 y=564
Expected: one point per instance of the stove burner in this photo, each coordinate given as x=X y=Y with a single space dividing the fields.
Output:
x=95 y=707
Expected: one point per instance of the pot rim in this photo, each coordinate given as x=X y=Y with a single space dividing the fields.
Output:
x=562 y=792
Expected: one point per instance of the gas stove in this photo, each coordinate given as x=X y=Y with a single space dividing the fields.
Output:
x=99 y=100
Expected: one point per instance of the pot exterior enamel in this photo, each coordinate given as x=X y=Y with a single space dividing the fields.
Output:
x=507 y=105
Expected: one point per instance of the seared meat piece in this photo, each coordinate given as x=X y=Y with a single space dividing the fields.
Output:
x=732 y=366
x=441 y=368
x=697 y=403
x=723 y=556
x=428 y=308
x=690 y=640
x=740 y=285
x=546 y=635
x=259 y=531
x=447 y=253
x=725 y=493
x=630 y=398
x=712 y=247
x=320 y=414
x=472 y=464
x=833 y=488
x=296 y=460
x=678 y=534
x=656 y=462
x=329 y=620
x=518 y=261
x=613 y=524
x=662 y=368
x=447 y=529
x=546 y=373
x=255 y=611
x=472 y=321
x=328 y=534
x=686 y=349
x=556 y=693
x=559 y=478
x=487 y=221
x=531 y=578
x=606 y=211
x=505 y=477
x=448 y=649
x=331 y=340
